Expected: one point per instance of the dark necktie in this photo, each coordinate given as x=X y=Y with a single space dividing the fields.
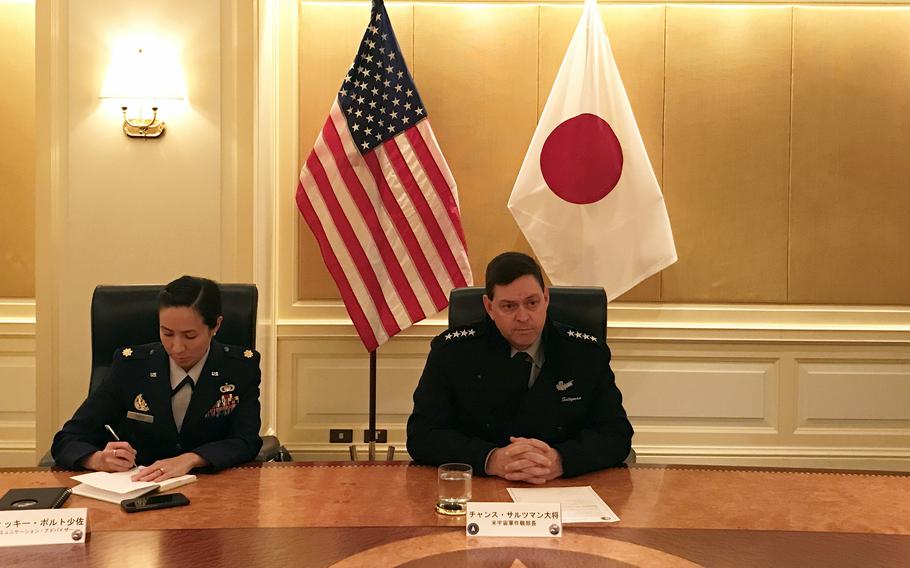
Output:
x=187 y=380
x=523 y=361
x=180 y=400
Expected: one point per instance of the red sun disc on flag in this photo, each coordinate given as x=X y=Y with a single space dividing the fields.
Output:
x=581 y=160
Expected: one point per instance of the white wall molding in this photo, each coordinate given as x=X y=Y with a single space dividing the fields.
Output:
x=846 y=457
x=51 y=189
x=274 y=166
x=18 y=383
x=785 y=399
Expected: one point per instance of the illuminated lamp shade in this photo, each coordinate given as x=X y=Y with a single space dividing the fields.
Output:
x=139 y=80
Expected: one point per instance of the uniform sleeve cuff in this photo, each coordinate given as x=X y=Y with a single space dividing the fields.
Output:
x=487 y=461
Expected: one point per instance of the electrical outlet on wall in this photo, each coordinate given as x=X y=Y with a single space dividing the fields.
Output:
x=382 y=436
x=337 y=436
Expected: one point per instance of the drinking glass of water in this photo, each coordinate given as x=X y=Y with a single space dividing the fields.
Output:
x=454 y=488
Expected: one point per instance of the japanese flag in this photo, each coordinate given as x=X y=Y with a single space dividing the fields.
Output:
x=586 y=197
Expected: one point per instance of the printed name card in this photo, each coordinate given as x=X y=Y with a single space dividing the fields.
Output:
x=513 y=519
x=43 y=526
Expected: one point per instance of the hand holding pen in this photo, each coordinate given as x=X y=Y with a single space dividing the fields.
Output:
x=116 y=456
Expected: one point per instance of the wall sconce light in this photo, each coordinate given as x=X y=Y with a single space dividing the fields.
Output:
x=139 y=80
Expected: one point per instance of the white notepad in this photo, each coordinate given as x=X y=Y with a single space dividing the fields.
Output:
x=116 y=487
x=579 y=504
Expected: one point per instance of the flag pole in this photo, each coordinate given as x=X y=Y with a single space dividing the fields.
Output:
x=372 y=431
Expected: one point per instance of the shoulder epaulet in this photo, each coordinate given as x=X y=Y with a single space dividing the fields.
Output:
x=579 y=336
x=128 y=352
x=239 y=352
x=458 y=334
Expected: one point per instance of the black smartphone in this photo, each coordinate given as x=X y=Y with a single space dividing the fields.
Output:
x=149 y=502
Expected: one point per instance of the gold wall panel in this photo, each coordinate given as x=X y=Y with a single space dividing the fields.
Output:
x=849 y=229
x=636 y=36
x=328 y=40
x=726 y=152
x=476 y=68
x=761 y=188
x=17 y=150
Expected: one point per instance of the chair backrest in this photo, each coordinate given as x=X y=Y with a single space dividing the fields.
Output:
x=128 y=315
x=577 y=306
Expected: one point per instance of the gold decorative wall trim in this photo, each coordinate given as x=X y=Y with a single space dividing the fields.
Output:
x=17 y=317
x=675 y=322
x=833 y=3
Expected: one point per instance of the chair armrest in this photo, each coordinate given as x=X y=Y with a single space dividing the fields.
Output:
x=47 y=460
x=273 y=451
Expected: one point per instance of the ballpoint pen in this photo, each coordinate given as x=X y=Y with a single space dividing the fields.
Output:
x=111 y=430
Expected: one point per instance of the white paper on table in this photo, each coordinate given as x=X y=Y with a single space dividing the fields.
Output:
x=119 y=482
x=579 y=504
x=115 y=487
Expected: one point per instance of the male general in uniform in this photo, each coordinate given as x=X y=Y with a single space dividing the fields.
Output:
x=184 y=403
x=517 y=395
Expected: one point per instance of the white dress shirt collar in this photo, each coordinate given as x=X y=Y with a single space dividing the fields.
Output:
x=177 y=373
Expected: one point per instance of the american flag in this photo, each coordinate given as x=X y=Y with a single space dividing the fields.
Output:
x=379 y=197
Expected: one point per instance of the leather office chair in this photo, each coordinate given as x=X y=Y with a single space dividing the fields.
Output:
x=128 y=315
x=581 y=307
x=584 y=308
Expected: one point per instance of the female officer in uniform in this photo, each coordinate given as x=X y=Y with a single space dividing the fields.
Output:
x=187 y=402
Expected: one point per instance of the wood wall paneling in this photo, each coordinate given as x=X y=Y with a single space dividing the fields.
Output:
x=636 y=35
x=17 y=150
x=477 y=71
x=17 y=405
x=711 y=89
x=323 y=383
x=854 y=395
x=849 y=229
x=742 y=392
x=726 y=152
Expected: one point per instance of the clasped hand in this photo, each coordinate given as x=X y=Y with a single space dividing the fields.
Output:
x=525 y=459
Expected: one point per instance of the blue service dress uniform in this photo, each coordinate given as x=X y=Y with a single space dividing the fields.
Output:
x=221 y=423
x=473 y=395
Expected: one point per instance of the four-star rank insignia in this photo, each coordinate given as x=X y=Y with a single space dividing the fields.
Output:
x=248 y=353
x=456 y=334
x=580 y=335
x=227 y=387
x=128 y=352
x=140 y=404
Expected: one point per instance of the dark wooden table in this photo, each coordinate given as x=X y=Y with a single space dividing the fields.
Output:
x=343 y=514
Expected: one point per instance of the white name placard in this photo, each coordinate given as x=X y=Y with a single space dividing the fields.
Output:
x=43 y=526
x=513 y=519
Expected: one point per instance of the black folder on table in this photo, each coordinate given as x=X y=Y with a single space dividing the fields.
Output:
x=34 y=498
